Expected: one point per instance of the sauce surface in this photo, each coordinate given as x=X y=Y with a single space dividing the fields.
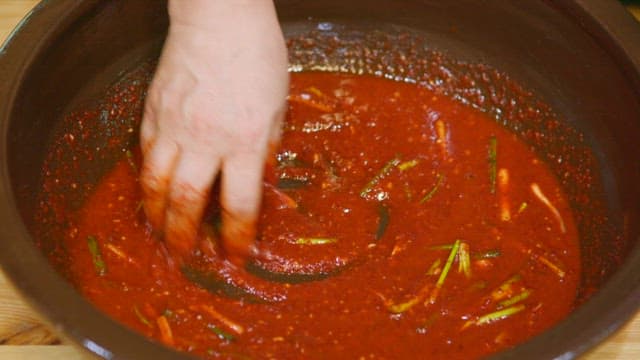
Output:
x=396 y=223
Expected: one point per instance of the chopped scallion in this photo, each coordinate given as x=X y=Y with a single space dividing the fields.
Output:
x=499 y=315
x=445 y=270
x=222 y=335
x=94 y=249
x=514 y=300
x=441 y=247
x=522 y=207
x=439 y=181
x=505 y=289
x=402 y=307
x=315 y=241
x=464 y=259
x=434 y=269
x=408 y=164
x=383 y=221
x=492 y=159
x=141 y=317
x=447 y=265
x=555 y=268
x=379 y=176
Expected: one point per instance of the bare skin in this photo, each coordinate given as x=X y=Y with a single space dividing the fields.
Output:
x=214 y=108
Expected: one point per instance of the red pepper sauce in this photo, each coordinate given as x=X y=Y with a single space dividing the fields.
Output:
x=438 y=234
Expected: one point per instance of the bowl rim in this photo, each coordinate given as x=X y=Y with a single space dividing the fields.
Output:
x=609 y=24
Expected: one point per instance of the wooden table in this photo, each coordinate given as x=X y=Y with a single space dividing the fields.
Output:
x=23 y=335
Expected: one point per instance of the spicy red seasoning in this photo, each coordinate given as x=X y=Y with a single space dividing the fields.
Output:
x=398 y=222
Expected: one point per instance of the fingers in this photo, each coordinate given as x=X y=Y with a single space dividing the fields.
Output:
x=155 y=178
x=188 y=196
x=240 y=201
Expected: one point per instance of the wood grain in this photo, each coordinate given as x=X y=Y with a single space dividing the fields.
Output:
x=40 y=352
x=11 y=11
x=20 y=325
x=15 y=315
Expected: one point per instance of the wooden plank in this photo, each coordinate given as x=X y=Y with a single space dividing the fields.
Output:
x=11 y=12
x=39 y=352
x=17 y=319
x=624 y=345
x=19 y=324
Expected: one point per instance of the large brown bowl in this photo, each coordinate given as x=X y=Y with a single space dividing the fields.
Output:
x=582 y=57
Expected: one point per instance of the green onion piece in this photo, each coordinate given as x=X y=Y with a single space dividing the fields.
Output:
x=408 y=164
x=551 y=266
x=222 y=335
x=439 y=181
x=315 y=241
x=490 y=254
x=445 y=271
x=98 y=263
x=383 y=221
x=139 y=206
x=505 y=289
x=464 y=260
x=131 y=161
x=292 y=183
x=141 y=317
x=499 y=315
x=522 y=207
x=434 y=269
x=492 y=159
x=514 y=300
x=402 y=307
x=379 y=176
x=442 y=247
x=447 y=265
x=315 y=91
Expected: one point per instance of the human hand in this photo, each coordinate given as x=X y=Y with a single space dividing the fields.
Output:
x=214 y=106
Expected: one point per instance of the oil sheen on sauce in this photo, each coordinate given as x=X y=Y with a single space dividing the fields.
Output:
x=399 y=224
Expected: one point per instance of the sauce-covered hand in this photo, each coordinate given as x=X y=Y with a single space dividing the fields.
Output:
x=214 y=106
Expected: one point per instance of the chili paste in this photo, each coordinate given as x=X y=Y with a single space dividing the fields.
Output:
x=396 y=223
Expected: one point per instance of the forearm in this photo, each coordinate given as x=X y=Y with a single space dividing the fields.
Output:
x=214 y=14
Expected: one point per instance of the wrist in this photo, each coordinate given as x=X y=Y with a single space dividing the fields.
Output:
x=210 y=14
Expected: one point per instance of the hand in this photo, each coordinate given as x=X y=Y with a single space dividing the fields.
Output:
x=215 y=105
